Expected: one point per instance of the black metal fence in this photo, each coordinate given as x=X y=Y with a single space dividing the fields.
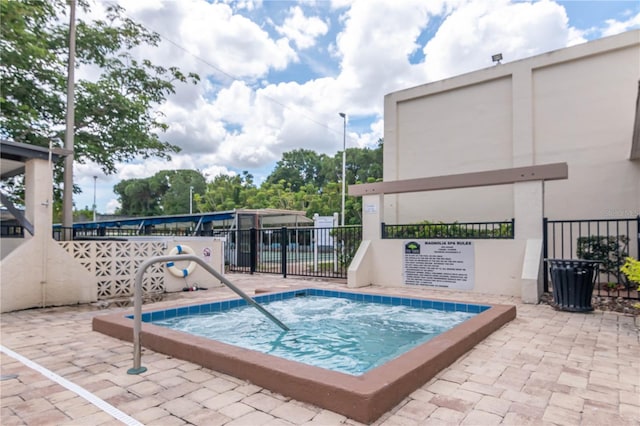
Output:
x=11 y=231
x=476 y=230
x=300 y=251
x=609 y=241
x=68 y=234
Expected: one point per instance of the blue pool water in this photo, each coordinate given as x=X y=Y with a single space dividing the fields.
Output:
x=347 y=332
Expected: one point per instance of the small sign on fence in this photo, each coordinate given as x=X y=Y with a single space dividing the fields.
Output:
x=439 y=263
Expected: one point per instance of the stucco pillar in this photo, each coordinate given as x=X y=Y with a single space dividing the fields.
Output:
x=529 y=211
x=523 y=153
x=372 y=216
x=38 y=195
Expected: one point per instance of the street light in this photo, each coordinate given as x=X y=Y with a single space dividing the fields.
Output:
x=191 y=200
x=95 y=179
x=344 y=157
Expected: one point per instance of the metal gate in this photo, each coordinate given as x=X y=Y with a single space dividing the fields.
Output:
x=301 y=251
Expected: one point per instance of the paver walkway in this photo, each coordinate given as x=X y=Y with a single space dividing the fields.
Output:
x=545 y=367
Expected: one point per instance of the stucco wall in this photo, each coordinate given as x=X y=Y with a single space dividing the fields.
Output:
x=7 y=245
x=40 y=273
x=574 y=105
x=199 y=277
x=498 y=265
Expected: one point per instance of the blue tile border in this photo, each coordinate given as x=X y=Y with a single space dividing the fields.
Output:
x=270 y=297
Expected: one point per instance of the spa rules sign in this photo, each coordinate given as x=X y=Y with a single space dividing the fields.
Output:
x=439 y=263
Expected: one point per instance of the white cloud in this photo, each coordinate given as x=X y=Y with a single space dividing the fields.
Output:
x=198 y=35
x=302 y=30
x=375 y=46
x=111 y=206
x=615 y=27
x=238 y=118
x=472 y=33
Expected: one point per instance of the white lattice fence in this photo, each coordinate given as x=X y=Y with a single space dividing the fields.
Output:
x=115 y=264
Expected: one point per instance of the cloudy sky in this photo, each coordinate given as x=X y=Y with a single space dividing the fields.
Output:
x=275 y=74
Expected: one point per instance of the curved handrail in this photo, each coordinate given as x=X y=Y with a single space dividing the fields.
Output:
x=137 y=307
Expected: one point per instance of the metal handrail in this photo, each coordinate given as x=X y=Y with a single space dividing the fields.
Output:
x=137 y=308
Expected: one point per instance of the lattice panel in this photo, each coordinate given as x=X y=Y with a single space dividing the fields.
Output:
x=115 y=264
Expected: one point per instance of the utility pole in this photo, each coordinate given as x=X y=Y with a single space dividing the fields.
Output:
x=95 y=179
x=67 y=198
x=344 y=159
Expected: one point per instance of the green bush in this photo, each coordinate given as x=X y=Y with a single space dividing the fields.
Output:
x=348 y=240
x=609 y=250
x=426 y=230
x=631 y=269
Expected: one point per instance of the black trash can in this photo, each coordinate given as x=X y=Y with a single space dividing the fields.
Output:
x=573 y=281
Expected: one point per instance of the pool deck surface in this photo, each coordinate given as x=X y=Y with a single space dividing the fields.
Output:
x=544 y=368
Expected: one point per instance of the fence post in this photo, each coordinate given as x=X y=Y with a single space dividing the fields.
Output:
x=545 y=253
x=253 y=250
x=638 y=237
x=283 y=251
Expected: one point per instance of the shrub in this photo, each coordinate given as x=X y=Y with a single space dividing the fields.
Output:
x=631 y=269
x=609 y=250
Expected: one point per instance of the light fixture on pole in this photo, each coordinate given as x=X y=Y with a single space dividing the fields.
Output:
x=95 y=179
x=344 y=159
x=191 y=200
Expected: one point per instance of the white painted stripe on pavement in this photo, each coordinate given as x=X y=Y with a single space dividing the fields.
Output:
x=82 y=392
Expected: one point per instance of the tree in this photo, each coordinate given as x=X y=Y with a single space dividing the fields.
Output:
x=115 y=117
x=176 y=198
x=298 y=168
x=166 y=192
x=139 y=197
x=227 y=193
x=308 y=182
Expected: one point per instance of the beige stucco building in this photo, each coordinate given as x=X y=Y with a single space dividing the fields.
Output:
x=38 y=271
x=558 y=136
x=576 y=105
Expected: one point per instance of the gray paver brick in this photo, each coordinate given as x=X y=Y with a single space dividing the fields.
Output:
x=443 y=387
x=235 y=410
x=263 y=402
x=448 y=415
x=145 y=388
x=452 y=403
x=559 y=415
x=167 y=421
x=327 y=417
x=293 y=412
x=493 y=405
x=197 y=376
x=538 y=368
x=476 y=417
x=570 y=402
x=255 y=418
x=150 y=414
x=207 y=417
x=417 y=410
x=223 y=400
x=180 y=407
x=220 y=384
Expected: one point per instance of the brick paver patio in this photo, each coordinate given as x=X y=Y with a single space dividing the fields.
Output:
x=545 y=367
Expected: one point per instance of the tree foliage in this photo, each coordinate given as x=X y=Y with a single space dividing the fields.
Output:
x=166 y=192
x=302 y=180
x=115 y=116
x=316 y=189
